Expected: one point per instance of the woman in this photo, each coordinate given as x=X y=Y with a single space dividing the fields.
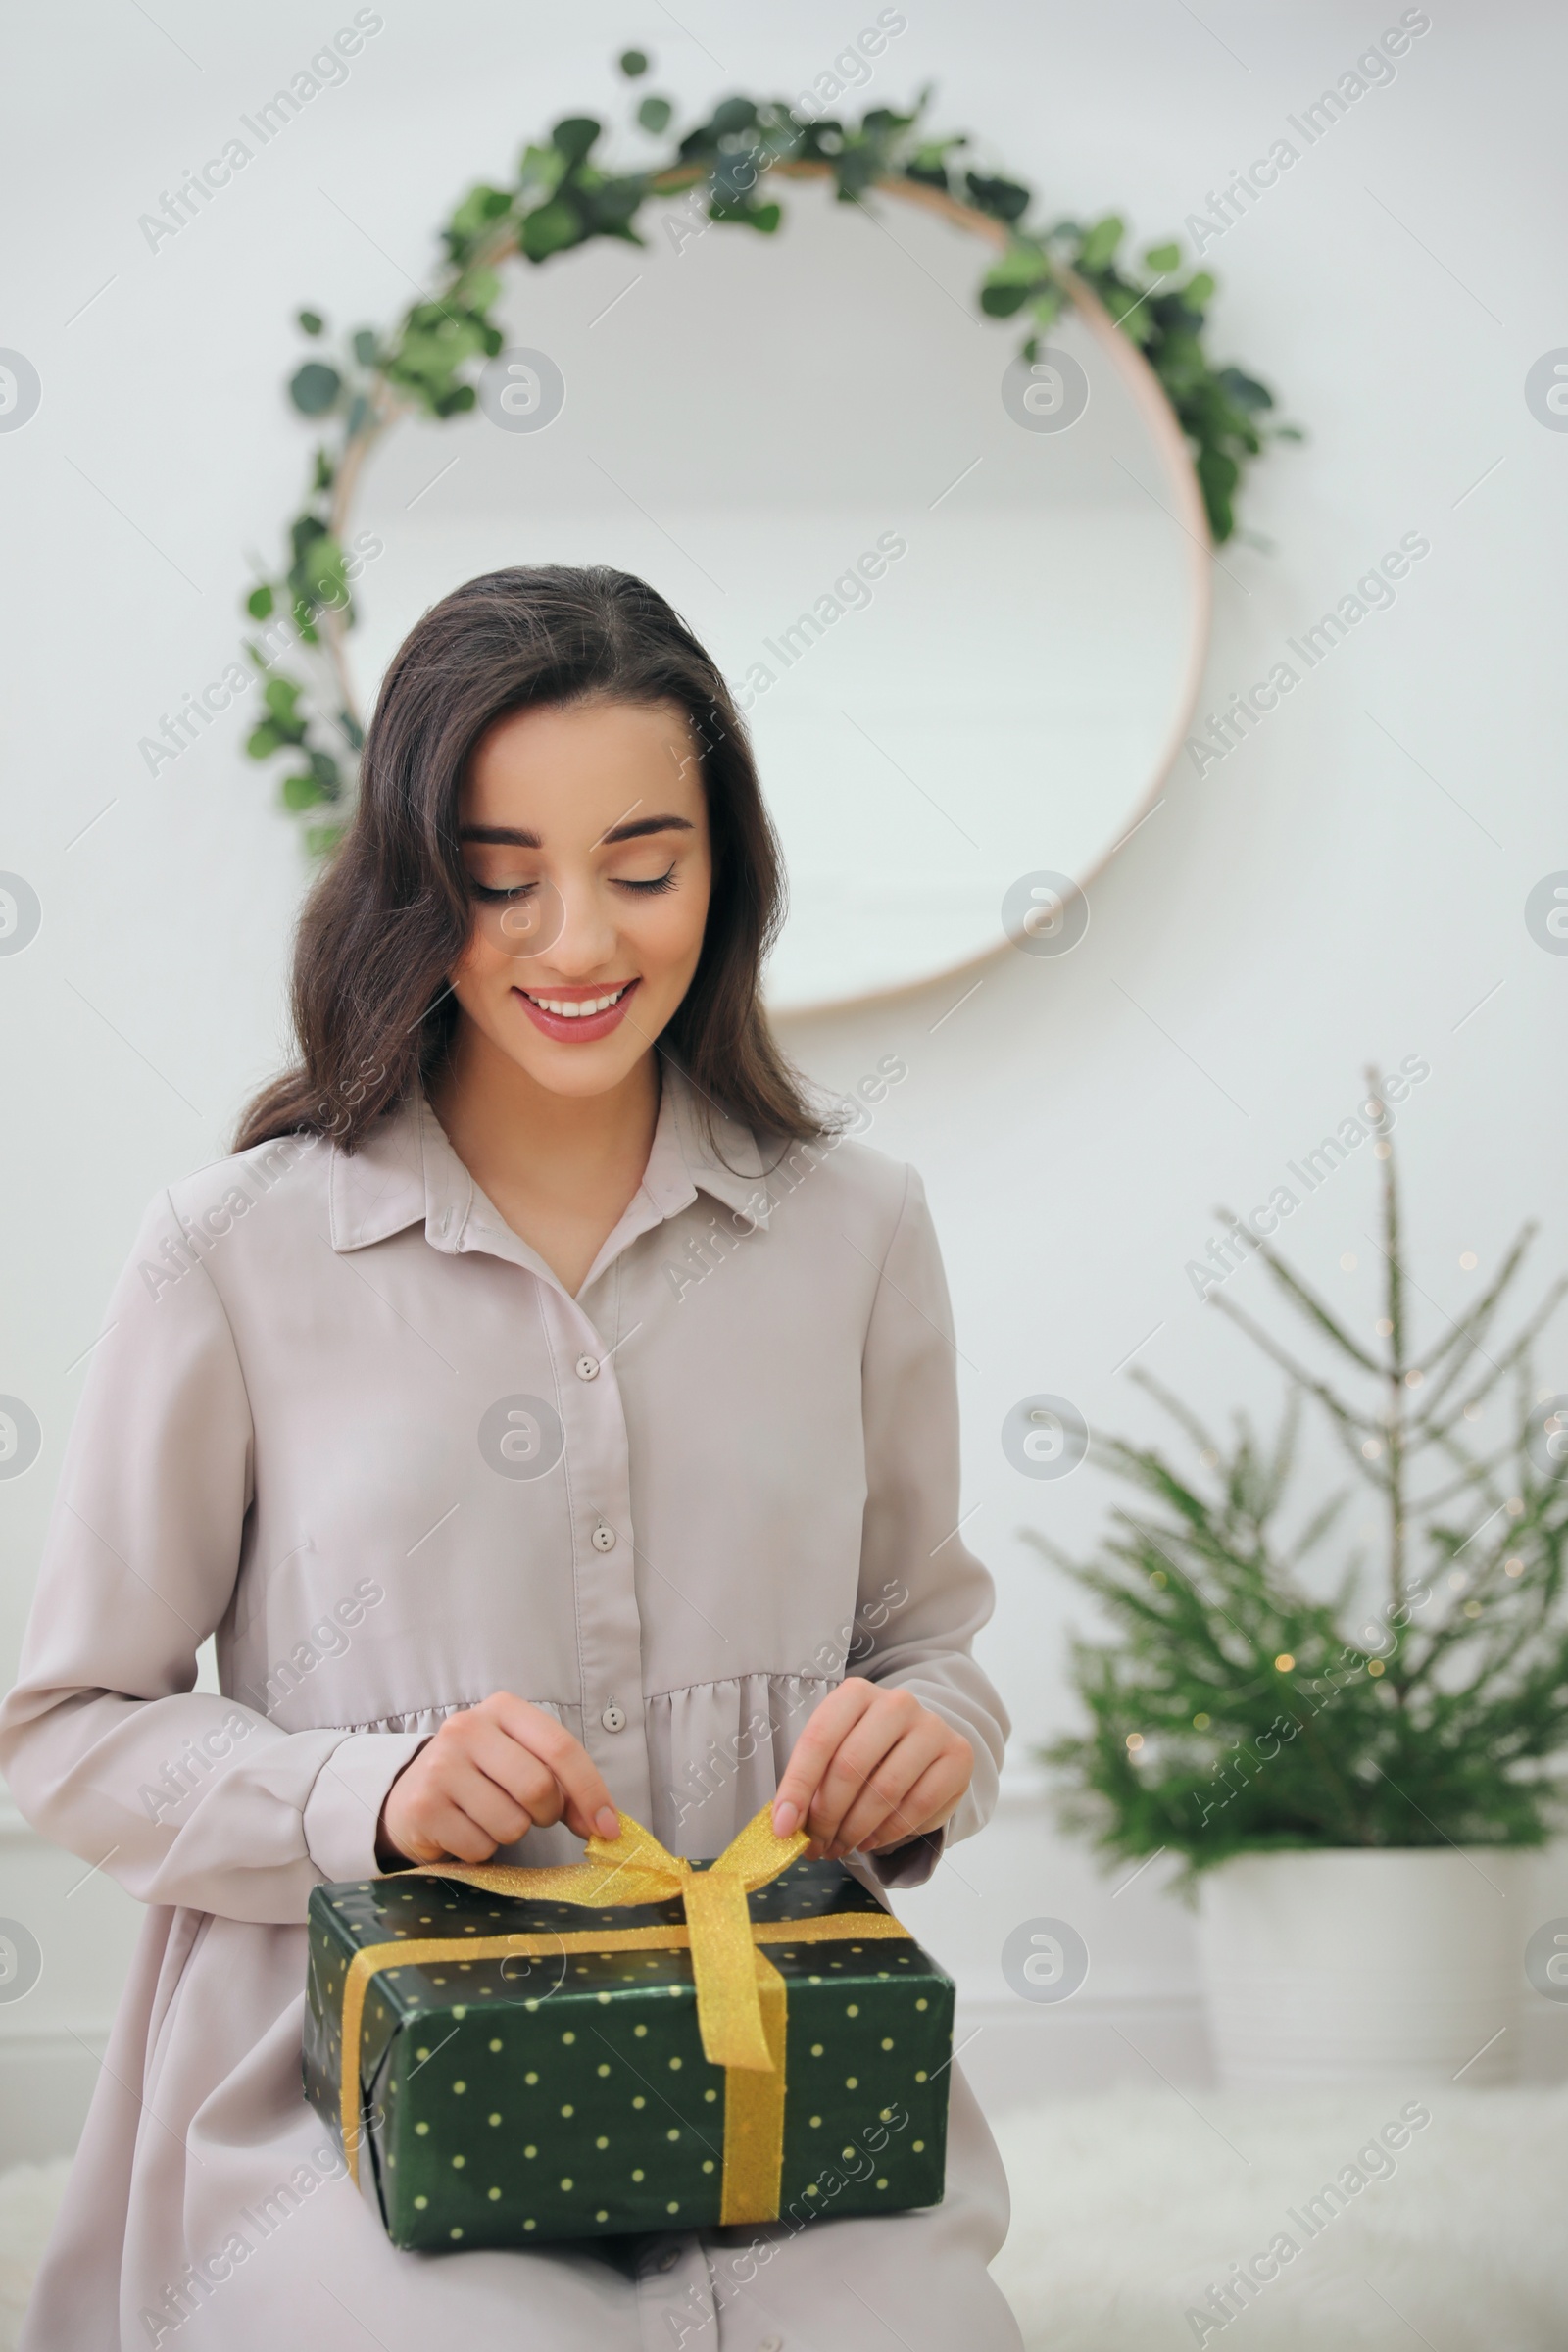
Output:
x=544 y=1408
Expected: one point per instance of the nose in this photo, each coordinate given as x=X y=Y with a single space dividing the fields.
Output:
x=586 y=943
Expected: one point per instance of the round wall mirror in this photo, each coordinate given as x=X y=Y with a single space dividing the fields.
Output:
x=964 y=603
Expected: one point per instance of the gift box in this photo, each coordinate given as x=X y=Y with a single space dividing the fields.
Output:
x=514 y=2055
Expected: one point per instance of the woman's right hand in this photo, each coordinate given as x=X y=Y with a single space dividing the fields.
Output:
x=489 y=1775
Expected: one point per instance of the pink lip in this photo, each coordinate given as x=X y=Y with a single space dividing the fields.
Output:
x=581 y=1029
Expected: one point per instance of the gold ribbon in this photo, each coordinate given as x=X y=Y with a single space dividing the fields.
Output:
x=742 y=2004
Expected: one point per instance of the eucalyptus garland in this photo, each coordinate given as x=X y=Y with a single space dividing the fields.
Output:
x=563 y=197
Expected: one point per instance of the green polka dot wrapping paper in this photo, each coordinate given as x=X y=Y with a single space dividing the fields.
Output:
x=565 y=2093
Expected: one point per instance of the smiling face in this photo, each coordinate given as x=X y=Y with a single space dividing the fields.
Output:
x=584 y=832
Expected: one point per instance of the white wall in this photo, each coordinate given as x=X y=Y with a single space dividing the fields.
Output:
x=1348 y=886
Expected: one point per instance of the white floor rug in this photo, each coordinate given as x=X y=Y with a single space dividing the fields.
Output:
x=1128 y=2209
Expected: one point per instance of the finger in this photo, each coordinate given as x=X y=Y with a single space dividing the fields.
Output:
x=527 y=1779
x=883 y=1799
x=893 y=1714
x=490 y=1807
x=825 y=1728
x=438 y=1826
x=926 y=1806
x=932 y=1800
x=589 y=1806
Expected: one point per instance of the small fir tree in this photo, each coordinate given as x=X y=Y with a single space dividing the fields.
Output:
x=1235 y=1712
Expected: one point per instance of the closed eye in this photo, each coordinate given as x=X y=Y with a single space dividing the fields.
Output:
x=508 y=893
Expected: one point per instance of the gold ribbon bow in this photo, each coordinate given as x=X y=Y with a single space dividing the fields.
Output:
x=742 y=2007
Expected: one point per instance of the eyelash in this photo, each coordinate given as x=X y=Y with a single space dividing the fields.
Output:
x=483 y=890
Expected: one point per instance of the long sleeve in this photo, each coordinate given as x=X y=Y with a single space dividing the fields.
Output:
x=923 y=1595
x=185 y=1796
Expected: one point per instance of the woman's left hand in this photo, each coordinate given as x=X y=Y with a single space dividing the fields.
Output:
x=872 y=1769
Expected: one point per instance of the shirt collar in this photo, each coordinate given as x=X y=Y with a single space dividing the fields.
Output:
x=406 y=1172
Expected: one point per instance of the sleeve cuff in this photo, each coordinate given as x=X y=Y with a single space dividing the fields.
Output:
x=345 y=1802
x=910 y=1864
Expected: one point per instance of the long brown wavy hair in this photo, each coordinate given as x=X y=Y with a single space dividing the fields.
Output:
x=385 y=923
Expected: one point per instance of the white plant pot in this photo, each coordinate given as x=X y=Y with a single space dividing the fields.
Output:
x=1397 y=1966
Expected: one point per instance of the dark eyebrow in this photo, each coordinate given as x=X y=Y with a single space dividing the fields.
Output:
x=512 y=837
x=646 y=824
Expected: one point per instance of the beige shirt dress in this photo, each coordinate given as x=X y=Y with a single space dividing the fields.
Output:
x=342 y=1417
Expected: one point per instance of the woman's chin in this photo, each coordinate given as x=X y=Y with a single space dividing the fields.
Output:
x=596 y=1066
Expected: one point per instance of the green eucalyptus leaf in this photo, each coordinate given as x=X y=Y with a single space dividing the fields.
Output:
x=322 y=571
x=1244 y=390
x=541 y=167
x=573 y=136
x=856 y=168
x=1101 y=242
x=366 y=347
x=479 y=210
x=310 y=322
x=1024 y=264
x=633 y=63
x=259 y=603
x=1003 y=199
x=743 y=213
x=263 y=741
x=1162 y=258
x=1217 y=477
x=314 y=388
x=611 y=205
x=732 y=116
x=884 y=122
x=655 y=113
x=301 y=792
x=551 y=229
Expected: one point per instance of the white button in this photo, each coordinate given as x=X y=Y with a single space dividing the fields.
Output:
x=604 y=1538
x=771 y=2343
x=587 y=1367
x=668 y=2258
x=614 y=1718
